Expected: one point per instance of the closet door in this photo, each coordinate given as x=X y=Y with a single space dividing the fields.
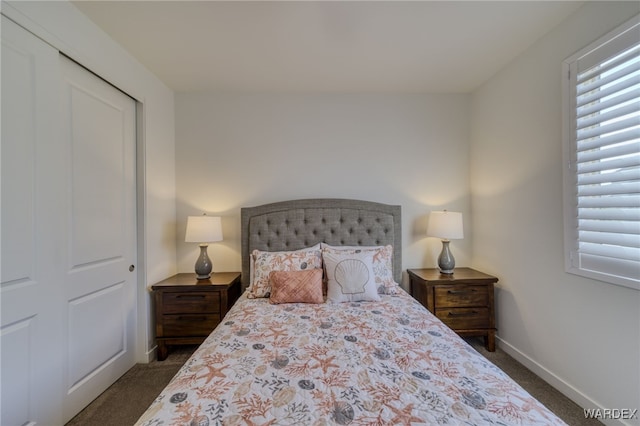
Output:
x=32 y=232
x=98 y=130
x=68 y=232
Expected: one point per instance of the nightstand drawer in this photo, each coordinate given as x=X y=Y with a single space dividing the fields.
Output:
x=454 y=296
x=191 y=302
x=189 y=324
x=462 y=300
x=188 y=309
x=464 y=318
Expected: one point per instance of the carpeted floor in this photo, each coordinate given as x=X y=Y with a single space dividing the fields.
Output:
x=555 y=401
x=125 y=401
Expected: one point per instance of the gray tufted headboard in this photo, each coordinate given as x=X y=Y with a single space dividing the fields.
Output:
x=292 y=225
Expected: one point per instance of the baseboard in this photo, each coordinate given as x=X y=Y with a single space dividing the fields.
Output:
x=150 y=355
x=558 y=383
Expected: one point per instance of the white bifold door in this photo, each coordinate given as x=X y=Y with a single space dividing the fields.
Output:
x=68 y=231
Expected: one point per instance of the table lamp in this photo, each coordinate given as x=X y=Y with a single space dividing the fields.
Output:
x=447 y=226
x=204 y=230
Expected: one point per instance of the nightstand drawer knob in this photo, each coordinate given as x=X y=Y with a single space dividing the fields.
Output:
x=461 y=291
x=190 y=296
x=193 y=318
x=463 y=314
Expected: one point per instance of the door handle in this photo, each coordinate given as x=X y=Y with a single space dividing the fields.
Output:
x=131 y=268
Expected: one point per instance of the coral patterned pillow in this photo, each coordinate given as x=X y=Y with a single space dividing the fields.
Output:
x=265 y=262
x=296 y=286
x=382 y=264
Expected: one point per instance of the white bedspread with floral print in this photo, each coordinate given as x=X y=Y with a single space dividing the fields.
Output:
x=365 y=363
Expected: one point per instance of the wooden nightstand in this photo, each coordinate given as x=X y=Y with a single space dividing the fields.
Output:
x=462 y=300
x=188 y=309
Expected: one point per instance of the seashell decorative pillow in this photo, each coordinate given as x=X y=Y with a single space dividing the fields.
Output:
x=350 y=276
x=265 y=262
x=382 y=264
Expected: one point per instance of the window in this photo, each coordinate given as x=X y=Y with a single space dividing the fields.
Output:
x=602 y=153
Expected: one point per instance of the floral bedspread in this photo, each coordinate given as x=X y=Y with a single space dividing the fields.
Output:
x=365 y=363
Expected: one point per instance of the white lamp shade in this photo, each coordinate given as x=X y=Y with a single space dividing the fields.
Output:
x=203 y=229
x=446 y=225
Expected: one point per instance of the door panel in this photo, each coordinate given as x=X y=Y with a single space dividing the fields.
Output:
x=97 y=332
x=98 y=123
x=98 y=149
x=17 y=364
x=18 y=165
x=31 y=319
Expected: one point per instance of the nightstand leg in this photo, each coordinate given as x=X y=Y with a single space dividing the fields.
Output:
x=490 y=341
x=163 y=351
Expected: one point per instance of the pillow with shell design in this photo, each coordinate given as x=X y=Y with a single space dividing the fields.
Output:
x=350 y=276
x=382 y=264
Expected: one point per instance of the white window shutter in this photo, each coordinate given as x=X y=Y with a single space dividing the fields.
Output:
x=602 y=137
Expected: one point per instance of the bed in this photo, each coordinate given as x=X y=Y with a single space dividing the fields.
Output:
x=297 y=351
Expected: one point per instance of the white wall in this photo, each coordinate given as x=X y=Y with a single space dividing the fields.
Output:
x=71 y=32
x=581 y=334
x=236 y=150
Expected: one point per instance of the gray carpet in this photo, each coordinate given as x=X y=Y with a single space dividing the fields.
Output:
x=555 y=401
x=125 y=401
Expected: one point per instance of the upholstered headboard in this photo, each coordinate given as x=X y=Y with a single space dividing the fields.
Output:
x=292 y=225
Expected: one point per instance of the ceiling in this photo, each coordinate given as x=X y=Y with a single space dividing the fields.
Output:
x=326 y=46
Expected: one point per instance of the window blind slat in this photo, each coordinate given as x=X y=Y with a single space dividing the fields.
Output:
x=629 y=175
x=618 y=227
x=621 y=201
x=602 y=141
x=596 y=95
x=604 y=250
x=604 y=67
x=612 y=188
x=619 y=163
x=603 y=129
x=611 y=114
x=629 y=148
x=624 y=96
x=628 y=56
x=621 y=240
x=624 y=72
x=609 y=214
x=616 y=49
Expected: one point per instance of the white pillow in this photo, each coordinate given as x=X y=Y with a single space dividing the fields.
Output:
x=382 y=264
x=350 y=276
